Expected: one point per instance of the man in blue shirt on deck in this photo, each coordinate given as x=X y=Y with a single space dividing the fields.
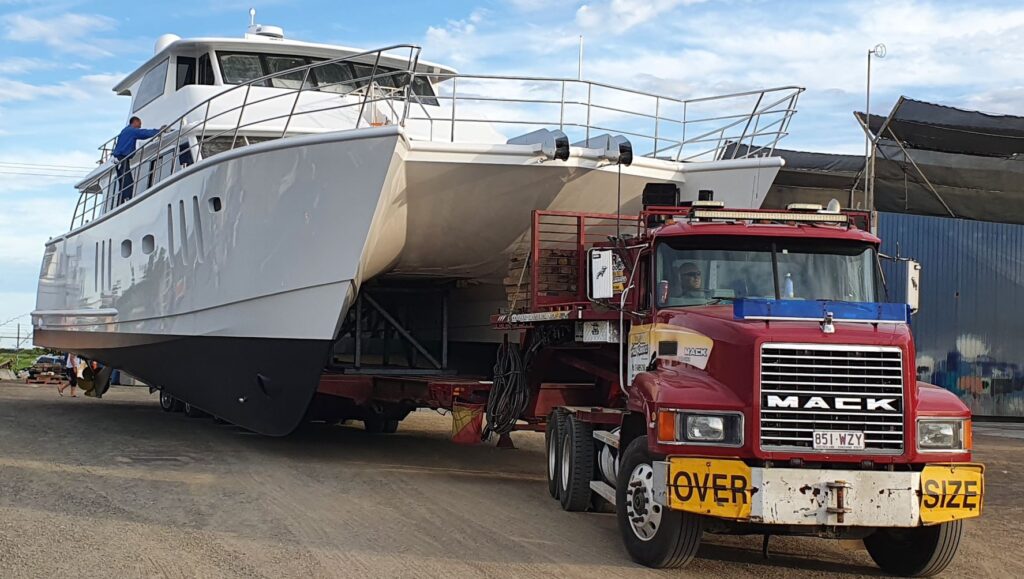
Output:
x=123 y=149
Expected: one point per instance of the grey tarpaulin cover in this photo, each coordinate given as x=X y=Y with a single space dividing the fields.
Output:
x=971 y=166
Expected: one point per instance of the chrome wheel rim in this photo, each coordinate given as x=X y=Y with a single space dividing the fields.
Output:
x=552 y=455
x=643 y=513
x=565 y=461
x=165 y=400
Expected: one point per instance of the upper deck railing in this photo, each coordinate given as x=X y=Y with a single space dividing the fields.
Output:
x=739 y=125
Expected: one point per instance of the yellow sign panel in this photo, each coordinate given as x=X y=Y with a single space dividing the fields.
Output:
x=668 y=342
x=716 y=487
x=951 y=491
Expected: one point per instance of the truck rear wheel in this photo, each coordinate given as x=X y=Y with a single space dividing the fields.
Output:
x=916 y=552
x=655 y=536
x=169 y=403
x=192 y=411
x=552 y=442
x=577 y=464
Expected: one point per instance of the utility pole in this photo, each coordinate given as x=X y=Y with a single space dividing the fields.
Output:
x=17 y=348
x=869 y=149
x=579 y=68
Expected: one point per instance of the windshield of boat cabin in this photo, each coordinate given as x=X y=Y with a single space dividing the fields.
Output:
x=338 y=77
x=720 y=269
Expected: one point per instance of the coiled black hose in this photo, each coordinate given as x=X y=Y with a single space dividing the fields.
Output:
x=509 y=394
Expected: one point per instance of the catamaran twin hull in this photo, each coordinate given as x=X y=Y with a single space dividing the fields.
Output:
x=226 y=283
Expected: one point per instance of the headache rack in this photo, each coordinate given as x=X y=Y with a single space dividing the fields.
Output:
x=549 y=274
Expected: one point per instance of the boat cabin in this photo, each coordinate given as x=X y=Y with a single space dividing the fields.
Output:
x=183 y=73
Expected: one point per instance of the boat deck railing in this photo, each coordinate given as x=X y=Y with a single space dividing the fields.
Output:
x=739 y=125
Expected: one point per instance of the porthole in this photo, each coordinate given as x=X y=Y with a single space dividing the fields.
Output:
x=126 y=248
x=148 y=244
x=215 y=204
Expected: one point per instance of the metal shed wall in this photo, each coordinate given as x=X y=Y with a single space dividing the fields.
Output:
x=970 y=327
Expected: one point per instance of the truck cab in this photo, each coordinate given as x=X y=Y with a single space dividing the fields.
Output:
x=752 y=376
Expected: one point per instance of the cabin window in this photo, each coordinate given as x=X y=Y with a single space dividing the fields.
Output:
x=240 y=68
x=205 y=72
x=276 y=64
x=335 y=78
x=152 y=85
x=185 y=73
x=338 y=77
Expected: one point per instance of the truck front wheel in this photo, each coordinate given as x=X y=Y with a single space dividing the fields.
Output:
x=654 y=535
x=916 y=552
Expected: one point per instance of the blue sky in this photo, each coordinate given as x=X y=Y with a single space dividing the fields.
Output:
x=58 y=61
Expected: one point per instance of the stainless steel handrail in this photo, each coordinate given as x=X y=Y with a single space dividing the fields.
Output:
x=729 y=128
x=147 y=153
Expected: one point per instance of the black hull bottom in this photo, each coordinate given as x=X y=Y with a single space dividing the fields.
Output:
x=264 y=385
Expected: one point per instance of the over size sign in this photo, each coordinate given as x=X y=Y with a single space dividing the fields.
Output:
x=720 y=488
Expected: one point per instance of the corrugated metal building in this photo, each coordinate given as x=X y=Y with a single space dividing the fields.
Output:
x=949 y=185
x=970 y=327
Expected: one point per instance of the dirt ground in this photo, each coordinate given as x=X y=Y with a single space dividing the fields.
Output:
x=115 y=487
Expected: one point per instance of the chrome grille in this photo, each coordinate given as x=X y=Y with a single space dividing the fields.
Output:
x=831 y=387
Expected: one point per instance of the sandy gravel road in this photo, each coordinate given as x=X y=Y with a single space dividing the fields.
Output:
x=115 y=487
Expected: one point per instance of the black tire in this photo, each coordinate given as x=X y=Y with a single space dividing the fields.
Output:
x=374 y=424
x=915 y=552
x=577 y=464
x=193 y=412
x=167 y=402
x=390 y=426
x=552 y=439
x=673 y=537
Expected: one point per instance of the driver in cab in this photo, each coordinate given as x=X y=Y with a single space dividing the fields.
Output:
x=689 y=282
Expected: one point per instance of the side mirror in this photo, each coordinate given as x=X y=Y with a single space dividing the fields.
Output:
x=913 y=285
x=600 y=274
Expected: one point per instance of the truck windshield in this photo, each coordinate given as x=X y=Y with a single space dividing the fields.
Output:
x=707 y=270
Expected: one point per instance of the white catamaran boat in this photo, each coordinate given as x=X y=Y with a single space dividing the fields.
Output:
x=291 y=174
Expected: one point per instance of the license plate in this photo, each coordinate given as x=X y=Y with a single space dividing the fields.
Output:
x=838 y=440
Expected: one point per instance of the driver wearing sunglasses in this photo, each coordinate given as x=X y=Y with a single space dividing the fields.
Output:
x=689 y=281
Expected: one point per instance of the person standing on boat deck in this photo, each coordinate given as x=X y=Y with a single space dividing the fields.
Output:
x=123 y=149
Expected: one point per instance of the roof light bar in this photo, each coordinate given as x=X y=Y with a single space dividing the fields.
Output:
x=803 y=207
x=769 y=216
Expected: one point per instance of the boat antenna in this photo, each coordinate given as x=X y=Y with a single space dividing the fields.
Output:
x=252 y=17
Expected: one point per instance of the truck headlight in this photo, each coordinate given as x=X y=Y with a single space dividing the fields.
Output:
x=935 y=434
x=695 y=427
x=705 y=428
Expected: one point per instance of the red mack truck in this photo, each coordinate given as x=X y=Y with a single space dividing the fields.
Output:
x=714 y=370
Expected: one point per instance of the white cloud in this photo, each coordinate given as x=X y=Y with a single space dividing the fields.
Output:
x=69 y=33
x=26 y=171
x=468 y=43
x=529 y=5
x=22 y=65
x=1003 y=100
x=82 y=88
x=26 y=224
x=619 y=16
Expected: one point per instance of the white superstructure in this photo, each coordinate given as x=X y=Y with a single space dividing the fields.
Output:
x=291 y=173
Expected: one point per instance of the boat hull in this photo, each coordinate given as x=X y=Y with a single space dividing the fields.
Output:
x=227 y=283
